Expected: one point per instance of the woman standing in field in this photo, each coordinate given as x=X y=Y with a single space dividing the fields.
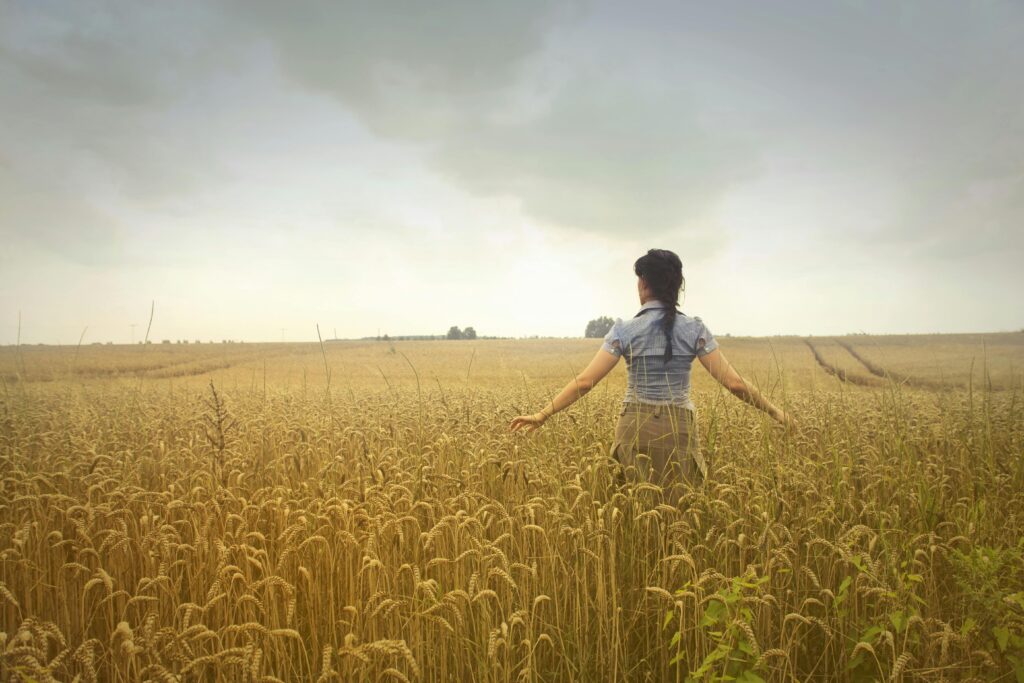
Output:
x=656 y=436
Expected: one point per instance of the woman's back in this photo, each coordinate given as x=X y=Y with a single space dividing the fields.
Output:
x=641 y=340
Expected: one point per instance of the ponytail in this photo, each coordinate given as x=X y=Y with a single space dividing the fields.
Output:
x=668 y=324
x=663 y=272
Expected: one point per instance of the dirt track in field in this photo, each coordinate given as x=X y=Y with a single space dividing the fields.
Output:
x=879 y=371
x=841 y=374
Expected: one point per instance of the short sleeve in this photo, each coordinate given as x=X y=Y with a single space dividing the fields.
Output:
x=612 y=342
x=705 y=342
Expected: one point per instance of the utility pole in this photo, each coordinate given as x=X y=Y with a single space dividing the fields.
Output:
x=282 y=334
x=133 y=332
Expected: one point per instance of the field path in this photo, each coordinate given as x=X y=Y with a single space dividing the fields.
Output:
x=879 y=371
x=841 y=374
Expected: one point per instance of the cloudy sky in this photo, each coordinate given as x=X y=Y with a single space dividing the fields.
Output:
x=820 y=167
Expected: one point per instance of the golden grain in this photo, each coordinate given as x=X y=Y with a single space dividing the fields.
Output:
x=385 y=533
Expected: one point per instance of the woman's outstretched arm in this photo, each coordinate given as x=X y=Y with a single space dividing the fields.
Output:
x=720 y=368
x=601 y=365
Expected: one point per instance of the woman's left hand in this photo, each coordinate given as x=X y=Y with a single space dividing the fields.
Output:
x=528 y=422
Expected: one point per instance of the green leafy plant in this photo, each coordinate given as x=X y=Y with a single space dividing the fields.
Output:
x=997 y=615
x=727 y=623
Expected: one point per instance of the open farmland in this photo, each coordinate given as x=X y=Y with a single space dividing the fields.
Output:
x=359 y=511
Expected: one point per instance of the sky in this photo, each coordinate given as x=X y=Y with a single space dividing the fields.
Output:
x=255 y=168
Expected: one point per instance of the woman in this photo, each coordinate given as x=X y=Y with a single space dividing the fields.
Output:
x=656 y=436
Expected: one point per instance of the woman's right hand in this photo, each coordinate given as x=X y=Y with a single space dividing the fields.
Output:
x=528 y=422
x=785 y=420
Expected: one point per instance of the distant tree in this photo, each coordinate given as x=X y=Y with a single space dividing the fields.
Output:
x=454 y=332
x=469 y=333
x=599 y=327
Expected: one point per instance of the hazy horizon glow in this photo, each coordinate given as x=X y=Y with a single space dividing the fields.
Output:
x=820 y=167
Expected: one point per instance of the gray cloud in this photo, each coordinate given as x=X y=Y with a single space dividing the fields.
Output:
x=580 y=144
x=921 y=97
x=610 y=117
x=604 y=156
x=88 y=116
x=409 y=69
x=44 y=216
x=114 y=54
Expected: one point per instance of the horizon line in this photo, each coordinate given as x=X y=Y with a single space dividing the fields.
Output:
x=442 y=337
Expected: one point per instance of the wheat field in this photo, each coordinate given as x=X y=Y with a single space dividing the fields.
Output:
x=360 y=512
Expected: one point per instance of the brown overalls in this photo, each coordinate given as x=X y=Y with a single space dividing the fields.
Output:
x=659 y=444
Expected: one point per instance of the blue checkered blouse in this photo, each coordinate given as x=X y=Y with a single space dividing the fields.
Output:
x=641 y=341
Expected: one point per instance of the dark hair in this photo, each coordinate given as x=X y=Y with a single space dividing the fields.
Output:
x=662 y=271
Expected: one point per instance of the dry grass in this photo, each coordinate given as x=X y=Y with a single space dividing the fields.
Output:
x=392 y=528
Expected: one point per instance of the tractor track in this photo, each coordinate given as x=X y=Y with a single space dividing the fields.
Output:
x=899 y=378
x=839 y=373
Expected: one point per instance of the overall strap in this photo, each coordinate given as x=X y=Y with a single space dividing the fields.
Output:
x=668 y=337
x=654 y=308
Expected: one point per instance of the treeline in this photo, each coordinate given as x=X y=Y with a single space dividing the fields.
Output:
x=598 y=327
x=454 y=332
